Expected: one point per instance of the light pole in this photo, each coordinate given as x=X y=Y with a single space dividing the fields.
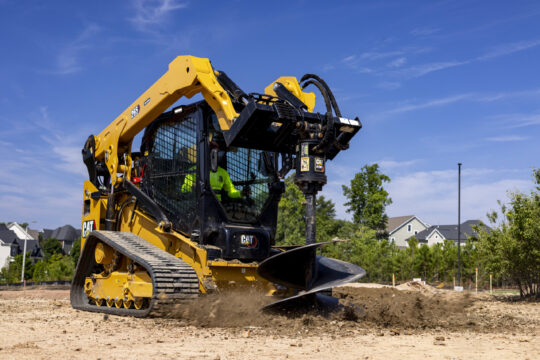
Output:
x=24 y=252
x=459 y=226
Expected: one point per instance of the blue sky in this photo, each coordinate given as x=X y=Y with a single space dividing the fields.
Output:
x=434 y=83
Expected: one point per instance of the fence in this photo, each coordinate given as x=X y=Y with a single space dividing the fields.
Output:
x=31 y=283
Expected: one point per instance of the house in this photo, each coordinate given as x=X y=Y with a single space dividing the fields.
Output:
x=26 y=235
x=401 y=228
x=12 y=239
x=66 y=235
x=20 y=231
x=8 y=245
x=46 y=233
x=439 y=233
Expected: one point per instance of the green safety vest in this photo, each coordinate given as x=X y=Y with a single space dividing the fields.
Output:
x=219 y=181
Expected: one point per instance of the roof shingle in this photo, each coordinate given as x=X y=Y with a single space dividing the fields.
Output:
x=450 y=232
x=394 y=222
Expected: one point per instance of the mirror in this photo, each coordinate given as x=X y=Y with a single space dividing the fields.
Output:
x=214 y=160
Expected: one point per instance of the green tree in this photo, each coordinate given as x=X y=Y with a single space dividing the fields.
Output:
x=437 y=261
x=422 y=263
x=40 y=271
x=404 y=264
x=60 y=267
x=358 y=249
x=449 y=264
x=291 y=227
x=367 y=198
x=469 y=261
x=12 y=272
x=76 y=251
x=512 y=248
x=50 y=247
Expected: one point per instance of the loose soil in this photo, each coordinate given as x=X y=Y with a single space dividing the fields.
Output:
x=407 y=322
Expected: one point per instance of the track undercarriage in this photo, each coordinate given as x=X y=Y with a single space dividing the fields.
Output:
x=122 y=274
x=129 y=276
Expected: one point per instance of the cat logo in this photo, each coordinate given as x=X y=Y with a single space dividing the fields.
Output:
x=88 y=227
x=135 y=111
x=248 y=241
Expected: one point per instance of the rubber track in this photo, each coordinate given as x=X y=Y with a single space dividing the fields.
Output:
x=173 y=279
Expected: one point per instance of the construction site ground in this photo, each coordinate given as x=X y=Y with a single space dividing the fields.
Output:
x=411 y=321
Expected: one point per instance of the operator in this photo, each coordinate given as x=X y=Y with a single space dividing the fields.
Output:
x=220 y=181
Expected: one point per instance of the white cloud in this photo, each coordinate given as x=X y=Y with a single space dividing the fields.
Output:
x=44 y=181
x=510 y=48
x=498 y=51
x=397 y=62
x=353 y=62
x=507 y=138
x=424 y=31
x=432 y=195
x=68 y=57
x=153 y=12
x=389 y=85
x=69 y=158
x=431 y=103
x=33 y=190
x=376 y=55
x=328 y=67
x=424 y=69
x=365 y=70
x=517 y=120
x=392 y=164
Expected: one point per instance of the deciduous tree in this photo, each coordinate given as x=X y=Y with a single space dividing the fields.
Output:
x=367 y=198
x=512 y=247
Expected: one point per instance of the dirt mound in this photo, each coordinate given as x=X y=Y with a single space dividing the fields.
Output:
x=361 y=308
x=225 y=309
x=416 y=286
x=390 y=307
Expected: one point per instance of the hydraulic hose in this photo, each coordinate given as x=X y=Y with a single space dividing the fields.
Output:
x=323 y=92
x=328 y=91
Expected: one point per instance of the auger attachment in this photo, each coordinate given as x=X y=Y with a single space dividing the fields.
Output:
x=302 y=269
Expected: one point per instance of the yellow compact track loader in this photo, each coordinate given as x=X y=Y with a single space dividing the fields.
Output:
x=195 y=210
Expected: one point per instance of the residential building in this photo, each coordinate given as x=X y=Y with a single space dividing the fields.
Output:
x=32 y=243
x=66 y=235
x=12 y=241
x=8 y=245
x=20 y=231
x=46 y=233
x=401 y=228
x=439 y=233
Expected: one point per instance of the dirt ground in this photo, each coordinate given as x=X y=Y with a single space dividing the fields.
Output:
x=408 y=322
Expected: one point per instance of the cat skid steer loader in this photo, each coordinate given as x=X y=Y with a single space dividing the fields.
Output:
x=195 y=210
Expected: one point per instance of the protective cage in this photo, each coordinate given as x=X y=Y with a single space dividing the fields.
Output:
x=247 y=171
x=177 y=174
x=171 y=170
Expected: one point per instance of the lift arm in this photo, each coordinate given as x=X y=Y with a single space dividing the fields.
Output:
x=187 y=76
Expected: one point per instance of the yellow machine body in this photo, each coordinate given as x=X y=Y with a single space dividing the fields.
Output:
x=126 y=285
x=212 y=274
